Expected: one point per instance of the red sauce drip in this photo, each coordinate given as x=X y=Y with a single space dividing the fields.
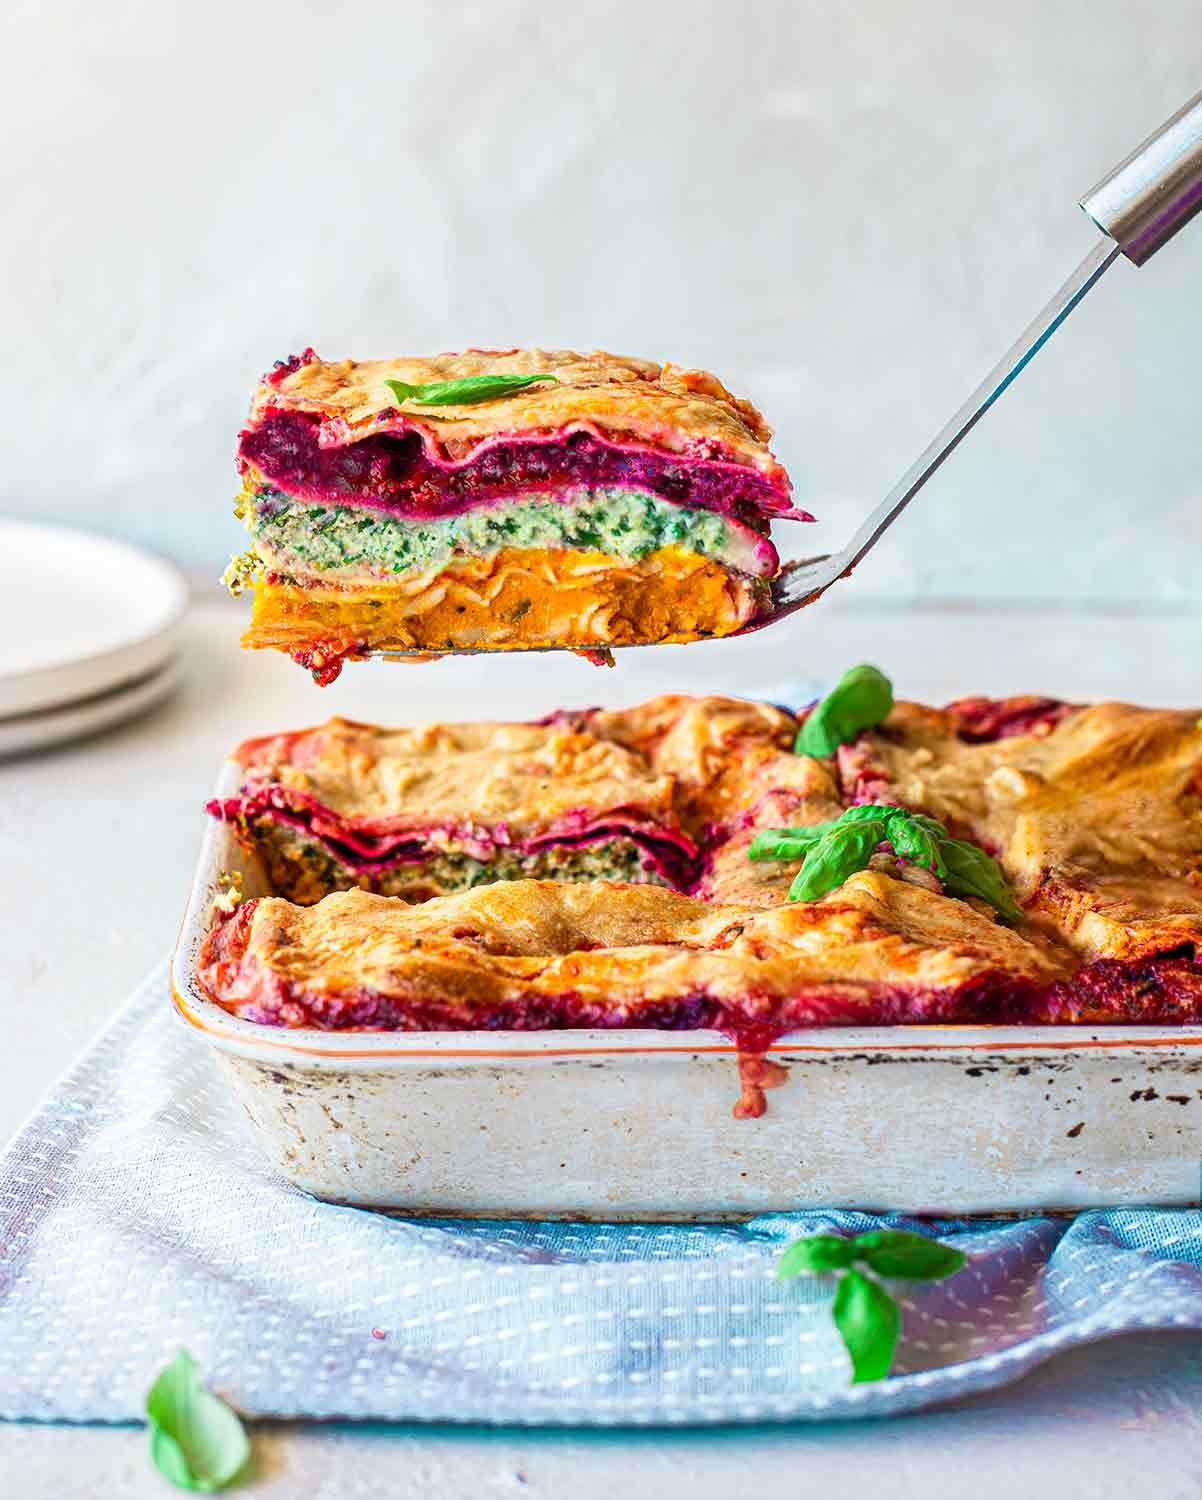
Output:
x=756 y=1073
x=603 y=657
x=324 y=659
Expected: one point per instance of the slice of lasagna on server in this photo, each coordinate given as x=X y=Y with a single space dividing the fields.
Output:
x=501 y=501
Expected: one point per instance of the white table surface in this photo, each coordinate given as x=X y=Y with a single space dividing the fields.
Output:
x=96 y=846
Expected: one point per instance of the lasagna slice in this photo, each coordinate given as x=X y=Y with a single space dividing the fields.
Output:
x=502 y=500
x=419 y=813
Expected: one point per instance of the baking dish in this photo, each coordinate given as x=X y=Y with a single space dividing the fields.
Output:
x=637 y=1124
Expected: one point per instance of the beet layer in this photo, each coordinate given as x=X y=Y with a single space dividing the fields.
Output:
x=370 y=845
x=393 y=471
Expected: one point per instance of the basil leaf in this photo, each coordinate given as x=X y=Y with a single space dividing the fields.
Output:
x=914 y=842
x=869 y=1323
x=866 y=810
x=905 y=1255
x=465 y=392
x=196 y=1440
x=971 y=872
x=786 y=843
x=861 y=698
x=787 y=849
x=932 y=825
x=766 y=843
x=814 y=1255
x=845 y=849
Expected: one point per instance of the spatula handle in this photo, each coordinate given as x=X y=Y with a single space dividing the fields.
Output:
x=1158 y=188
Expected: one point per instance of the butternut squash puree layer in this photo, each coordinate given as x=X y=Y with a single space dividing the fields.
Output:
x=517 y=598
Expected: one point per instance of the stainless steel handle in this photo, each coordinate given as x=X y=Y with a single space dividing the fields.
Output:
x=1148 y=197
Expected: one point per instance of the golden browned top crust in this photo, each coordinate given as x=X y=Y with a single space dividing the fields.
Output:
x=682 y=762
x=1097 y=820
x=527 y=775
x=660 y=406
x=623 y=948
x=1094 y=813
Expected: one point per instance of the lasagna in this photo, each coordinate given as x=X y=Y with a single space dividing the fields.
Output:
x=606 y=869
x=419 y=813
x=502 y=500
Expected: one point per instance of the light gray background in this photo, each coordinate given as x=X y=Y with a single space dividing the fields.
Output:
x=846 y=210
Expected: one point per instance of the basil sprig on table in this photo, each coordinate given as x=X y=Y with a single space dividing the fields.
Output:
x=196 y=1440
x=830 y=852
x=466 y=392
x=860 y=700
x=867 y=1317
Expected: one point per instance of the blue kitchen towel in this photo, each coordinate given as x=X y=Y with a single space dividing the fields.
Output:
x=136 y=1216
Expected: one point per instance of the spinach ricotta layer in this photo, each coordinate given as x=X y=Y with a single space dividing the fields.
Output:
x=303 y=871
x=347 y=543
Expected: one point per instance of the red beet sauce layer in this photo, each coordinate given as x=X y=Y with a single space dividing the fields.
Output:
x=394 y=471
x=370 y=845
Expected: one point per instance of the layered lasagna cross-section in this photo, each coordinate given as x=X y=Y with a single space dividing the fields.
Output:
x=502 y=500
x=419 y=813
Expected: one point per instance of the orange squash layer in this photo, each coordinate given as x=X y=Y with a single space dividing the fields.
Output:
x=513 y=600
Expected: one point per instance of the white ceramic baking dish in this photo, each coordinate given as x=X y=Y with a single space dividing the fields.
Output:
x=638 y=1124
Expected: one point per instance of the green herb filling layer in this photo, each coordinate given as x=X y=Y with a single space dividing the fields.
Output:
x=350 y=543
x=304 y=871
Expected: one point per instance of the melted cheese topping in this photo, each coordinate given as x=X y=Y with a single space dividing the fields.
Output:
x=518 y=597
x=1095 y=816
x=690 y=763
x=618 y=949
x=527 y=775
x=1098 y=821
x=658 y=406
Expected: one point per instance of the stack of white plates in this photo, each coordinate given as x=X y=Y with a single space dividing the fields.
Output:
x=89 y=633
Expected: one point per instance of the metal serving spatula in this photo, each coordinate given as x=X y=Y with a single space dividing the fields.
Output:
x=1139 y=207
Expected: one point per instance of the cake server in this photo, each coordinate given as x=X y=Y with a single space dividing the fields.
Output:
x=1139 y=206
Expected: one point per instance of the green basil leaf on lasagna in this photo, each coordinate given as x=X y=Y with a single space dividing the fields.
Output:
x=861 y=699
x=469 y=391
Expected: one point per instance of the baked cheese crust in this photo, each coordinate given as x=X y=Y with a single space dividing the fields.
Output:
x=663 y=406
x=1096 y=817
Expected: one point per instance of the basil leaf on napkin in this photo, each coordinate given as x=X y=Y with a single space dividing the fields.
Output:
x=860 y=700
x=867 y=1317
x=466 y=392
x=907 y=1256
x=196 y=1440
x=869 y=1324
x=815 y=1254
